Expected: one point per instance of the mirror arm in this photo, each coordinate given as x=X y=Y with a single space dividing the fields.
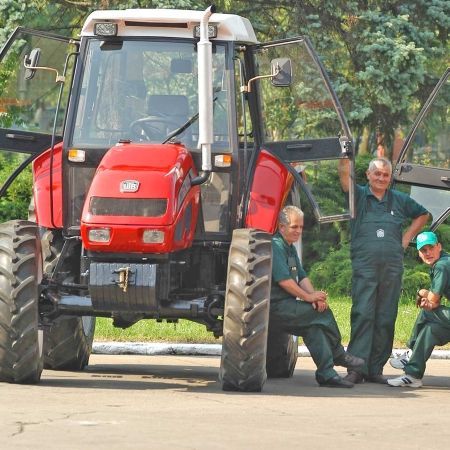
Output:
x=59 y=78
x=248 y=87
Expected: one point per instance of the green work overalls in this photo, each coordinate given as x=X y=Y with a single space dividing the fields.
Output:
x=432 y=327
x=377 y=264
x=319 y=330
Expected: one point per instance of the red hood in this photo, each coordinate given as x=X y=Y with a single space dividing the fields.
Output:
x=159 y=170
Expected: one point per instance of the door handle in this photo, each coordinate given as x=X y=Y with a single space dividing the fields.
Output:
x=299 y=146
x=20 y=137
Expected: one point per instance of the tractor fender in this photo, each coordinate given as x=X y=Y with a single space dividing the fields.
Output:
x=42 y=189
x=271 y=184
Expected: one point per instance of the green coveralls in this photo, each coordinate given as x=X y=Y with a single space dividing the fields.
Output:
x=432 y=327
x=319 y=330
x=377 y=265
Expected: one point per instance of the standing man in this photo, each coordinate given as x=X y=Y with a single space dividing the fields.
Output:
x=377 y=246
x=432 y=327
x=298 y=309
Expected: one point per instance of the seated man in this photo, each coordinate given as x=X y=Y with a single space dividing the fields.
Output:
x=296 y=308
x=432 y=327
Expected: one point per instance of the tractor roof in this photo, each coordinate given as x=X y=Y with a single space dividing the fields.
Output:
x=170 y=23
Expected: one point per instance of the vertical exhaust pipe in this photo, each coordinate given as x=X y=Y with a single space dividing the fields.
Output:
x=205 y=97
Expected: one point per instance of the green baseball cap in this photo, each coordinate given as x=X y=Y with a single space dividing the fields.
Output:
x=426 y=238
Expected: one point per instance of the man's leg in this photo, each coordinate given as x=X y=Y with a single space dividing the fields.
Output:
x=364 y=287
x=434 y=330
x=318 y=345
x=386 y=309
x=319 y=331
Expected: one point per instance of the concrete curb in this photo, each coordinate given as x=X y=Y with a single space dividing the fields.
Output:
x=151 y=348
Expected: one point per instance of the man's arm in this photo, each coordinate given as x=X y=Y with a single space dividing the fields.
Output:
x=344 y=174
x=416 y=225
x=430 y=300
x=303 y=290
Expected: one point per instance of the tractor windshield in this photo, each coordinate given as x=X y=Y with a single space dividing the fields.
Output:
x=144 y=91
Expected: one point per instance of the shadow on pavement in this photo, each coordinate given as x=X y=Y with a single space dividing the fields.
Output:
x=204 y=379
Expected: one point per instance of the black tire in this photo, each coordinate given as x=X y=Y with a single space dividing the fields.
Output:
x=68 y=343
x=282 y=353
x=68 y=339
x=20 y=271
x=246 y=315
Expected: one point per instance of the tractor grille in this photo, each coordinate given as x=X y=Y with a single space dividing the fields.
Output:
x=143 y=207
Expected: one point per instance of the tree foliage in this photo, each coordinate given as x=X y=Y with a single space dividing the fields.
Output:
x=383 y=56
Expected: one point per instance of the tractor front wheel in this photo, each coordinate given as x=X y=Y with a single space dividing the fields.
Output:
x=20 y=271
x=68 y=339
x=246 y=315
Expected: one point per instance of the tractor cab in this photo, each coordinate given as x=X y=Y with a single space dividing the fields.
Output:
x=163 y=145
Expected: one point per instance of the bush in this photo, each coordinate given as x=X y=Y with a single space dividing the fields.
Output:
x=334 y=273
x=14 y=205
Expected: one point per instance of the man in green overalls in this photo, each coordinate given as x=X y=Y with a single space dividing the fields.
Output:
x=432 y=327
x=296 y=308
x=377 y=246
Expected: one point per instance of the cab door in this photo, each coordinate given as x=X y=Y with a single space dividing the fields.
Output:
x=302 y=126
x=423 y=165
x=32 y=103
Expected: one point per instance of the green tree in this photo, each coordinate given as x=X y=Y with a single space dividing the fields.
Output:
x=383 y=56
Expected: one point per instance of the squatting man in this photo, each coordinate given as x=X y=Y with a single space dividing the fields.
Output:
x=432 y=326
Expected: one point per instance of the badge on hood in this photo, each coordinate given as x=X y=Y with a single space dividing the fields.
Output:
x=129 y=186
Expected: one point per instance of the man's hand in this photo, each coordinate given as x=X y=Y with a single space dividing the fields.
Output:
x=428 y=304
x=320 y=306
x=427 y=300
x=317 y=296
x=419 y=298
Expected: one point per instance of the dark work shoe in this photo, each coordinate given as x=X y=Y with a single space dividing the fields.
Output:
x=354 y=377
x=337 y=382
x=380 y=379
x=349 y=361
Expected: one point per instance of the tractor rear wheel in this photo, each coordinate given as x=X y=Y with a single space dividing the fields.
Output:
x=246 y=315
x=68 y=339
x=282 y=353
x=20 y=271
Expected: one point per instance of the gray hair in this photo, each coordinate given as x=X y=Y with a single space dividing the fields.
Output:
x=285 y=213
x=383 y=161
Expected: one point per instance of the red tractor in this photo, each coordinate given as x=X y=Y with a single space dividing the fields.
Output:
x=163 y=145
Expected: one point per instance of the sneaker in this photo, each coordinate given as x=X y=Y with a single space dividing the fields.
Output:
x=405 y=381
x=400 y=361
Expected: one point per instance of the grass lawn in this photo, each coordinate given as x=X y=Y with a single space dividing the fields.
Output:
x=190 y=332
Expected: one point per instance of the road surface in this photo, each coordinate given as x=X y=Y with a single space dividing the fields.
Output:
x=175 y=402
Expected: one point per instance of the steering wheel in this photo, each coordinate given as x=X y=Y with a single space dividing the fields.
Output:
x=154 y=128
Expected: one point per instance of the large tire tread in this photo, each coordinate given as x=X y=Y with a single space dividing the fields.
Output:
x=20 y=351
x=246 y=312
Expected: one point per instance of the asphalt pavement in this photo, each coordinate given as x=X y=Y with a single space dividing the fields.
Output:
x=175 y=401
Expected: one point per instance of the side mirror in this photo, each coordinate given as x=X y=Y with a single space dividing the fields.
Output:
x=30 y=62
x=282 y=72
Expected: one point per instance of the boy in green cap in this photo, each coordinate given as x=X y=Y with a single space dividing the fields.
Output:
x=432 y=327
